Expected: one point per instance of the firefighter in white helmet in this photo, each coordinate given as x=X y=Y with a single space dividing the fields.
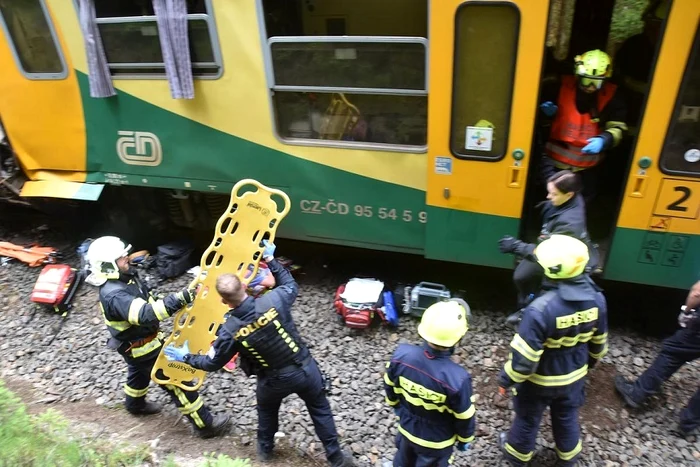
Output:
x=431 y=394
x=133 y=317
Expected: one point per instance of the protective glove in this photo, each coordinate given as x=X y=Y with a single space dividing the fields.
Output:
x=396 y=411
x=176 y=354
x=186 y=296
x=269 y=251
x=594 y=146
x=508 y=244
x=685 y=317
x=549 y=108
x=463 y=446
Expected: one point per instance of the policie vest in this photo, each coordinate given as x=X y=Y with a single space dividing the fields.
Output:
x=266 y=344
x=571 y=130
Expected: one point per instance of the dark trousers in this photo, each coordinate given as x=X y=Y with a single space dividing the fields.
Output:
x=189 y=403
x=528 y=280
x=682 y=347
x=307 y=383
x=529 y=407
x=411 y=455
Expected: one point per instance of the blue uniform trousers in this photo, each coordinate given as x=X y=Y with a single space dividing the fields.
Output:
x=682 y=347
x=305 y=381
x=411 y=455
x=189 y=403
x=529 y=406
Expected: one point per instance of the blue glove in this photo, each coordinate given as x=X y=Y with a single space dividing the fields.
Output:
x=269 y=249
x=173 y=353
x=549 y=108
x=594 y=146
x=463 y=446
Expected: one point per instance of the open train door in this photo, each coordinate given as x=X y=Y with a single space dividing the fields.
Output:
x=657 y=237
x=485 y=65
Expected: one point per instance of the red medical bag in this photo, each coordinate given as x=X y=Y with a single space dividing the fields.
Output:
x=56 y=286
x=352 y=317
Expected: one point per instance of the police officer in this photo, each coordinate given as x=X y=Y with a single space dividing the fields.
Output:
x=270 y=346
x=563 y=333
x=133 y=318
x=677 y=350
x=431 y=394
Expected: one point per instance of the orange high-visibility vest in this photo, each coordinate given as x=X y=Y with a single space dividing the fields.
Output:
x=571 y=130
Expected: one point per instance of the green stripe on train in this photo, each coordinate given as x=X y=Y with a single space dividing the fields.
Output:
x=656 y=258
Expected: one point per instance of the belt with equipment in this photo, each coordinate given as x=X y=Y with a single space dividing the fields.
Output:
x=285 y=369
x=141 y=342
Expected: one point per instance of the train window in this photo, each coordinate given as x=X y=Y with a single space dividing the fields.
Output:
x=129 y=33
x=486 y=43
x=122 y=8
x=348 y=75
x=681 y=152
x=27 y=26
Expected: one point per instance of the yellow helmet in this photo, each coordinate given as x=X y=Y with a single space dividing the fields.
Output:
x=445 y=323
x=593 y=68
x=562 y=257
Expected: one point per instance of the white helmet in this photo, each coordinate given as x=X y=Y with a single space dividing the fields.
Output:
x=102 y=256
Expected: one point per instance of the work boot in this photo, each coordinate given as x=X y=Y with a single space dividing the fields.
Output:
x=264 y=456
x=679 y=431
x=148 y=408
x=345 y=459
x=626 y=389
x=219 y=427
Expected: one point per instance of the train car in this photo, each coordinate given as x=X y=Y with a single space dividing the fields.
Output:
x=401 y=125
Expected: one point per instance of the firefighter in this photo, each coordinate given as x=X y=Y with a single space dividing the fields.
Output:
x=676 y=351
x=588 y=118
x=263 y=332
x=563 y=333
x=133 y=319
x=431 y=394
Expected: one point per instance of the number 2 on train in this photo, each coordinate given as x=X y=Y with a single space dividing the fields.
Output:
x=678 y=198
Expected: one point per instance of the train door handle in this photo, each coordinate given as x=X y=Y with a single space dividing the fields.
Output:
x=639 y=186
x=514 y=176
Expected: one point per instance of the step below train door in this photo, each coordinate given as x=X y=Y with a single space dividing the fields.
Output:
x=485 y=64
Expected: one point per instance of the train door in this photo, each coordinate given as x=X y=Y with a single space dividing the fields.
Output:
x=657 y=237
x=485 y=63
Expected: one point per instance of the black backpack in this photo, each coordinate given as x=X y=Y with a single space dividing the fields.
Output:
x=174 y=258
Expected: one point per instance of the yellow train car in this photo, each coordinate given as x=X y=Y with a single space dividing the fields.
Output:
x=403 y=125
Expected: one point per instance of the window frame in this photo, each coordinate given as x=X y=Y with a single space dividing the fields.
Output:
x=457 y=33
x=272 y=87
x=54 y=38
x=692 y=62
x=208 y=17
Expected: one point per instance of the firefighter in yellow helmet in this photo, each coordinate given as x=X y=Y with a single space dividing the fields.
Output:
x=563 y=333
x=588 y=118
x=431 y=394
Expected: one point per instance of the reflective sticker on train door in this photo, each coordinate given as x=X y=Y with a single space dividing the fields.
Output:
x=678 y=198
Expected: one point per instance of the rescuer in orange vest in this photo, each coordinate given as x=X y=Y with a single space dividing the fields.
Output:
x=588 y=118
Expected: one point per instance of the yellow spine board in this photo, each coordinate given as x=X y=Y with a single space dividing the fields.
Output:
x=237 y=245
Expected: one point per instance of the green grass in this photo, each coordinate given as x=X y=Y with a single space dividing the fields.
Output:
x=45 y=440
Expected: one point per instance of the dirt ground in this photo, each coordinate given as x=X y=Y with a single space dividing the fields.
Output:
x=166 y=434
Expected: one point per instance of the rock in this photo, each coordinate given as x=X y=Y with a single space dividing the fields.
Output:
x=638 y=361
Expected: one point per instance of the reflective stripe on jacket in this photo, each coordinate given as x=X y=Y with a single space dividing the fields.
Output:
x=571 y=130
x=433 y=396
